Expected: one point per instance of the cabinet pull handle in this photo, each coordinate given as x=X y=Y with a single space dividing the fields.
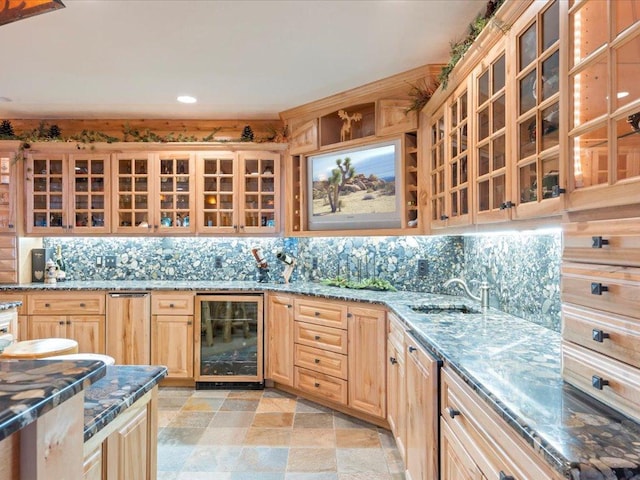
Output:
x=598 y=288
x=317 y=314
x=83 y=305
x=598 y=335
x=10 y=225
x=412 y=349
x=444 y=217
x=68 y=322
x=453 y=413
x=189 y=322
x=317 y=360
x=289 y=306
x=349 y=315
x=61 y=322
x=317 y=337
x=171 y=305
x=507 y=205
x=598 y=242
x=504 y=476
x=316 y=384
x=393 y=360
x=47 y=305
x=598 y=382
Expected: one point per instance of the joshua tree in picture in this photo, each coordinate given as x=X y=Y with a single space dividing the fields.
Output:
x=346 y=125
x=339 y=178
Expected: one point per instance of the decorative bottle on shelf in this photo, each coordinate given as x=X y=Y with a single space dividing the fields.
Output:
x=61 y=267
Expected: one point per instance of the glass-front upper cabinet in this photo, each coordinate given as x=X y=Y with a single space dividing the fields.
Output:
x=259 y=189
x=132 y=201
x=217 y=192
x=492 y=190
x=436 y=161
x=67 y=193
x=604 y=97
x=538 y=53
x=457 y=161
x=7 y=192
x=175 y=192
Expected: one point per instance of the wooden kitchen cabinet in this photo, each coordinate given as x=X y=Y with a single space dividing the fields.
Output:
x=396 y=383
x=604 y=99
x=154 y=192
x=279 y=339
x=67 y=193
x=476 y=443
x=126 y=448
x=421 y=448
x=8 y=193
x=367 y=359
x=8 y=259
x=238 y=192
x=128 y=328
x=172 y=333
x=78 y=316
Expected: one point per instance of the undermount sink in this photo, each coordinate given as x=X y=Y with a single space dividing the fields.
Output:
x=435 y=309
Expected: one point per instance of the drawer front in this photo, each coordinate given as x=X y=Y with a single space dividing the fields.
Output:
x=395 y=331
x=614 y=383
x=321 y=312
x=615 y=242
x=9 y=276
x=76 y=305
x=329 y=363
x=7 y=242
x=502 y=450
x=172 y=304
x=324 y=386
x=612 y=335
x=325 y=338
x=608 y=288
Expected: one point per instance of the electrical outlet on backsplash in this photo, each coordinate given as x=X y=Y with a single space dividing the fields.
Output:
x=522 y=269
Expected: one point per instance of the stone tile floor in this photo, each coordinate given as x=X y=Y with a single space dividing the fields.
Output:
x=267 y=435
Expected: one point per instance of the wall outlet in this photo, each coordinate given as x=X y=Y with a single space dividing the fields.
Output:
x=423 y=267
x=217 y=262
x=98 y=261
x=314 y=263
x=110 y=260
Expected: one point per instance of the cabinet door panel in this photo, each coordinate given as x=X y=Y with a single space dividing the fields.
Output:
x=48 y=326
x=88 y=331
x=127 y=450
x=279 y=334
x=129 y=330
x=172 y=344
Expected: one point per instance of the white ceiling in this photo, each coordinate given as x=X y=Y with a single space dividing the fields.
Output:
x=241 y=59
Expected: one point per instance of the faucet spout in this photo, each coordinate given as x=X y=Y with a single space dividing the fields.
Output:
x=484 y=291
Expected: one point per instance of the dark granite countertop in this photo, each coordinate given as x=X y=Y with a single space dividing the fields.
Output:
x=514 y=365
x=115 y=392
x=9 y=305
x=31 y=388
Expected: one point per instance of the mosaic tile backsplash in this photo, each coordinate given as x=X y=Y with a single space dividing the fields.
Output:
x=522 y=269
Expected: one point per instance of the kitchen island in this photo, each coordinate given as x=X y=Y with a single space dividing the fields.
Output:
x=511 y=364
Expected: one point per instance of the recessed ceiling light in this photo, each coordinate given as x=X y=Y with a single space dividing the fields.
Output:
x=187 y=99
x=622 y=94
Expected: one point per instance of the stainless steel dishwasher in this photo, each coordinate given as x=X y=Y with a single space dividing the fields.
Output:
x=128 y=329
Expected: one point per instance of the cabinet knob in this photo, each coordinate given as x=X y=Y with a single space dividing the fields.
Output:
x=189 y=322
x=10 y=225
x=171 y=305
x=317 y=314
x=598 y=242
x=392 y=360
x=47 y=305
x=82 y=305
x=556 y=191
x=317 y=337
x=317 y=360
x=289 y=306
x=61 y=322
x=444 y=217
x=598 y=288
x=507 y=205
x=68 y=322
x=316 y=384
x=598 y=382
x=453 y=413
x=598 y=335
x=412 y=349
x=504 y=476
x=349 y=315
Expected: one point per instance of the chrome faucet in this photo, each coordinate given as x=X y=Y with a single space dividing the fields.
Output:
x=484 y=291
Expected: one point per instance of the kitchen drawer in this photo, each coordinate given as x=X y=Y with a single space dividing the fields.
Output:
x=326 y=338
x=8 y=242
x=609 y=288
x=495 y=446
x=612 y=335
x=321 y=312
x=324 y=386
x=76 y=304
x=614 y=383
x=172 y=303
x=614 y=242
x=329 y=363
x=9 y=276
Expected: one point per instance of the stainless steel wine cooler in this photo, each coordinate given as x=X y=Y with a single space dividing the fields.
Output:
x=229 y=341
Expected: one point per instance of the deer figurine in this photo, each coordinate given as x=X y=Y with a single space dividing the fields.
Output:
x=346 y=126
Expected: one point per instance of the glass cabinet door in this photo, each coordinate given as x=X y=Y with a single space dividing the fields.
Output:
x=47 y=194
x=229 y=341
x=604 y=93
x=260 y=173
x=457 y=161
x=90 y=197
x=538 y=114
x=217 y=192
x=133 y=195
x=7 y=193
x=175 y=192
x=491 y=166
x=436 y=170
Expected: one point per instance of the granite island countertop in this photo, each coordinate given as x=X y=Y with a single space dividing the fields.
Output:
x=513 y=364
x=9 y=305
x=31 y=388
